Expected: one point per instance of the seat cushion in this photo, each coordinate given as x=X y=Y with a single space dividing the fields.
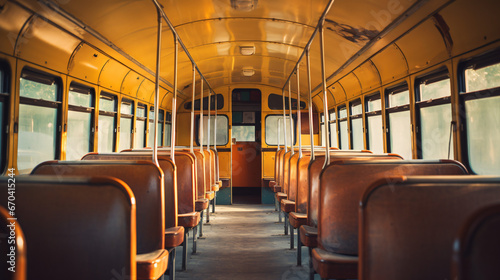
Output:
x=309 y=236
x=276 y=189
x=334 y=266
x=272 y=184
x=152 y=265
x=188 y=220
x=279 y=196
x=297 y=219
x=215 y=187
x=201 y=204
x=287 y=206
x=174 y=237
x=210 y=195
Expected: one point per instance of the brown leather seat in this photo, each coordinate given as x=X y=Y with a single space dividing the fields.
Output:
x=201 y=204
x=74 y=227
x=343 y=182
x=11 y=270
x=477 y=247
x=146 y=180
x=416 y=219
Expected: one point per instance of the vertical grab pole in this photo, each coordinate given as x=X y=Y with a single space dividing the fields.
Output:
x=291 y=118
x=299 y=119
x=201 y=116
x=157 y=90
x=174 y=100
x=192 y=110
x=209 y=109
x=284 y=118
x=311 y=129
x=279 y=140
x=325 y=97
x=215 y=122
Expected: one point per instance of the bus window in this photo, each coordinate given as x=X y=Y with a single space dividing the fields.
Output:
x=168 y=129
x=243 y=128
x=38 y=120
x=357 y=125
x=344 y=131
x=434 y=111
x=140 y=126
x=151 y=127
x=126 y=117
x=222 y=130
x=322 y=128
x=333 y=130
x=374 y=124
x=107 y=123
x=271 y=123
x=398 y=111
x=80 y=108
x=482 y=117
x=4 y=99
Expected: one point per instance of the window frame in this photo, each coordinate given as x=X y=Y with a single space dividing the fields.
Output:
x=352 y=117
x=5 y=100
x=401 y=87
x=339 y=131
x=294 y=129
x=197 y=129
x=333 y=112
x=378 y=96
x=83 y=89
x=127 y=116
x=109 y=114
x=38 y=76
x=486 y=60
x=437 y=76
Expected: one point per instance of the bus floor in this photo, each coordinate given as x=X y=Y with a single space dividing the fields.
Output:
x=244 y=242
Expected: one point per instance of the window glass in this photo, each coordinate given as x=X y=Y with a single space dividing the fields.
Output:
x=140 y=128
x=356 y=109
x=399 y=98
x=37 y=136
x=435 y=90
x=243 y=133
x=126 y=108
x=344 y=137
x=272 y=131
x=435 y=125
x=36 y=90
x=332 y=116
x=159 y=135
x=322 y=117
x=80 y=97
x=400 y=133
x=79 y=123
x=334 y=135
x=125 y=133
x=78 y=143
x=141 y=111
x=323 y=134
x=38 y=124
x=222 y=130
x=107 y=104
x=483 y=132
x=357 y=134
x=373 y=103
x=168 y=131
x=106 y=143
x=482 y=78
x=375 y=134
x=151 y=127
x=342 y=113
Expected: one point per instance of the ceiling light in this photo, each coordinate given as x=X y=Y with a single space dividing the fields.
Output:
x=247 y=50
x=248 y=72
x=244 y=5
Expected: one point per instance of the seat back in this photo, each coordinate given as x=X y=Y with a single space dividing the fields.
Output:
x=277 y=164
x=302 y=184
x=286 y=171
x=169 y=179
x=408 y=224
x=75 y=227
x=343 y=183
x=144 y=178
x=200 y=173
x=293 y=174
x=12 y=262
x=315 y=169
x=477 y=247
x=208 y=171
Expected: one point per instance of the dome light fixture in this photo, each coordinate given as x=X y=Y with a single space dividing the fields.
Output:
x=247 y=50
x=244 y=5
x=248 y=71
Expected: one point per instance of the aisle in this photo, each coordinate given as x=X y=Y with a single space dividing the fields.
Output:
x=244 y=242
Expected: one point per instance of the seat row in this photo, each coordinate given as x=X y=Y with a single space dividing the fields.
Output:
x=109 y=216
x=376 y=216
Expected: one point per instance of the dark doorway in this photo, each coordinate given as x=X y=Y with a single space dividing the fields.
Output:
x=246 y=149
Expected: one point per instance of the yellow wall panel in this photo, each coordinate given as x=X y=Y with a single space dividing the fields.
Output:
x=268 y=164
x=87 y=63
x=224 y=165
